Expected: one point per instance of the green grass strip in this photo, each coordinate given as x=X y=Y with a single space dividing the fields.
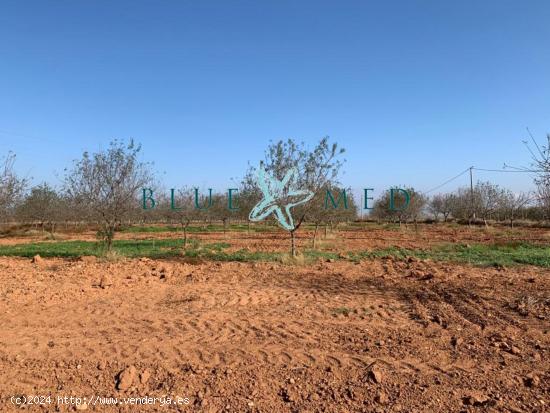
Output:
x=476 y=254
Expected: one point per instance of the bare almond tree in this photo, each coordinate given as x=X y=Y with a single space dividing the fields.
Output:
x=486 y=197
x=248 y=195
x=399 y=210
x=108 y=183
x=511 y=204
x=331 y=206
x=460 y=204
x=182 y=207
x=316 y=168
x=12 y=186
x=223 y=211
x=441 y=204
x=540 y=156
x=42 y=205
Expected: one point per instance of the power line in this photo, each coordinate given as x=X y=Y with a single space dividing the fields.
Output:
x=483 y=170
x=509 y=171
x=448 y=181
x=520 y=168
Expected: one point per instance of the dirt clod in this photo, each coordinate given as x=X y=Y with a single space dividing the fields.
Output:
x=382 y=397
x=144 y=376
x=476 y=399
x=532 y=380
x=37 y=259
x=515 y=350
x=126 y=378
x=375 y=375
x=106 y=281
x=457 y=341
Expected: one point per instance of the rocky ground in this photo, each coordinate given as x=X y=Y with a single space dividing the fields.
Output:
x=375 y=336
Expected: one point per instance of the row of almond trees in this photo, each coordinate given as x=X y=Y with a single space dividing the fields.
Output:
x=485 y=202
x=105 y=188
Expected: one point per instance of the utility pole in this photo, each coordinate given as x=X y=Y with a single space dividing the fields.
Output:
x=472 y=193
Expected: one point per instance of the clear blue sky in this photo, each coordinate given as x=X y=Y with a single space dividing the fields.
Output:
x=415 y=90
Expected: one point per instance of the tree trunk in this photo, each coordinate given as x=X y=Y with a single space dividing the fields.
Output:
x=109 y=241
x=109 y=235
x=315 y=235
x=184 y=227
x=185 y=237
x=292 y=244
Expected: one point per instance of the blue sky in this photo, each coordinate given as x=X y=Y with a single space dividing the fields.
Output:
x=416 y=91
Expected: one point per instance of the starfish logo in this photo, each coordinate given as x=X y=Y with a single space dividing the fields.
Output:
x=279 y=197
